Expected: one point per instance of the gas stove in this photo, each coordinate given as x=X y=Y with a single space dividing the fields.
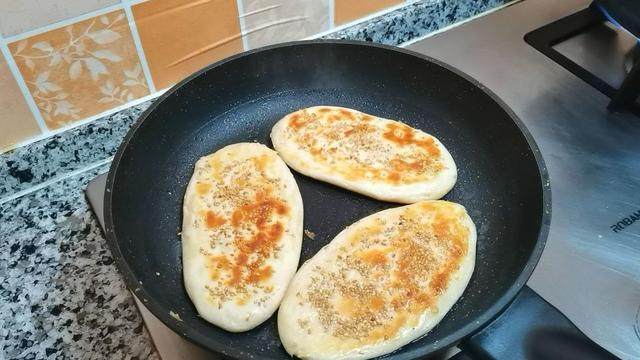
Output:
x=590 y=268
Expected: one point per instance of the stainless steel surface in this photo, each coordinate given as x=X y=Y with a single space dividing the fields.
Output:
x=590 y=268
x=95 y=195
x=600 y=50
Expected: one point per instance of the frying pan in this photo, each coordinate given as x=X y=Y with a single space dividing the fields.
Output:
x=502 y=179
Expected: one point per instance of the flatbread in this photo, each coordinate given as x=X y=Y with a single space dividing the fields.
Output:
x=377 y=157
x=381 y=283
x=241 y=235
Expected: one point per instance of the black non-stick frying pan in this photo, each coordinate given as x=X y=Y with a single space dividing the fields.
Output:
x=502 y=180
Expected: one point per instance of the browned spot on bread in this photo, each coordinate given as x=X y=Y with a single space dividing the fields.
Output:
x=346 y=115
x=213 y=220
x=203 y=188
x=259 y=211
x=394 y=177
x=316 y=153
x=242 y=299
x=236 y=270
x=404 y=135
x=401 y=165
x=428 y=206
x=214 y=274
x=262 y=161
x=376 y=303
x=374 y=257
x=260 y=275
x=441 y=226
x=347 y=306
x=215 y=165
x=216 y=265
x=296 y=120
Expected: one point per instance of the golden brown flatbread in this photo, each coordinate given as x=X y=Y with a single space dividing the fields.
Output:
x=241 y=235
x=381 y=283
x=381 y=158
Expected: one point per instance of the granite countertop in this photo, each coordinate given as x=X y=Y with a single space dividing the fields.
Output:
x=61 y=295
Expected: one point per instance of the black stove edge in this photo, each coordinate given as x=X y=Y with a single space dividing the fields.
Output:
x=544 y=38
x=531 y=328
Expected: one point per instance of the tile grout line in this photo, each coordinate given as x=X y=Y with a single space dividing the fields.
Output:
x=133 y=28
x=24 y=89
x=85 y=121
x=55 y=180
x=64 y=22
x=243 y=25
x=332 y=12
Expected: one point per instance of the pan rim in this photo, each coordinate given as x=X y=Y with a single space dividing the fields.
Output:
x=227 y=351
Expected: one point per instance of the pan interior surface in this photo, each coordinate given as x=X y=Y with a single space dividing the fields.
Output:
x=239 y=100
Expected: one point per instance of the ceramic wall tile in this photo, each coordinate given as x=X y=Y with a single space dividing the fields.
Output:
x=182 y=36
x=16 y=121
x=17 y=16
x=272 y=21
x=82 y=69
x=350 y=10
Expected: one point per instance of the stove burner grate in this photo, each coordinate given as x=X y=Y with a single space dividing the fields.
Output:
x=546 y=37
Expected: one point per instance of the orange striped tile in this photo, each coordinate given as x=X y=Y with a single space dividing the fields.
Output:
x=349 y=10
x=182 y=36
x=82 y=69
x=16 y=121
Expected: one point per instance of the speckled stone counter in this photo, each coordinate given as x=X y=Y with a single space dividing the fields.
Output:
x=61 y=296
x=61 y=293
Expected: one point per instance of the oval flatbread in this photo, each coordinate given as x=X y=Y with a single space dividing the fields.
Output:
x=377 y=157
x=381 y=283
x=241 y=235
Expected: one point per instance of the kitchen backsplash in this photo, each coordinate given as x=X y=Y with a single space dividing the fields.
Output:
x=67 y=62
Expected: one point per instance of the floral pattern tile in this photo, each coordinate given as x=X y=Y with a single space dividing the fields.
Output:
x=82 y=69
